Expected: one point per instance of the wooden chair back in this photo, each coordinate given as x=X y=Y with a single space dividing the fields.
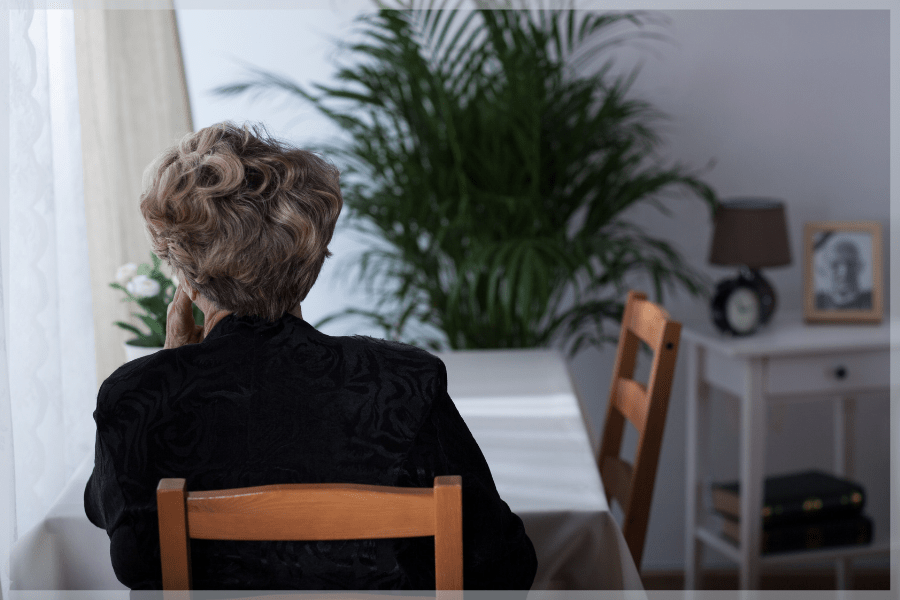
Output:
x=645 y=406
x=306 y=512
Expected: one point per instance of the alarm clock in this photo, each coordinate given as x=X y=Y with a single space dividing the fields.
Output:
x=737 y=306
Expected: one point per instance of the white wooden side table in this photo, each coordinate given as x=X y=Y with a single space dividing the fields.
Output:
x=788 y=361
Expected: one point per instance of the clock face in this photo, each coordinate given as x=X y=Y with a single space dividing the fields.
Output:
x=742 y=310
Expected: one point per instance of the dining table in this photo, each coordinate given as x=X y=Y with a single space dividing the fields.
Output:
x=526 y=415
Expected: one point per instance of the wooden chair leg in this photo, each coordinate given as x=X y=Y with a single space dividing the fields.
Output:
x=448 y=549
x=174 y=543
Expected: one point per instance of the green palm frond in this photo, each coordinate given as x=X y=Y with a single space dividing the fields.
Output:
x=492 y=153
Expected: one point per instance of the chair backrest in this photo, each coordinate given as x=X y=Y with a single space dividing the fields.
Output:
x=645 y=407
x=307 y=512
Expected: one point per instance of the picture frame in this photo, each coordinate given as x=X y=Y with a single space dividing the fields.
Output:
x=843 y=276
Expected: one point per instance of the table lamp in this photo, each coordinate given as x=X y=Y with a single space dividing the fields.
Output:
x=749 y=233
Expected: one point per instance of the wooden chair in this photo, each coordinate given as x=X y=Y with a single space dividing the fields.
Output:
x=310 y=512
x=645 y=407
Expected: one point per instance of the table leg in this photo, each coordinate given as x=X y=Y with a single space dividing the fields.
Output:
x=844 y=419
x=843 y=573
x=697 y=431
x=753 y=446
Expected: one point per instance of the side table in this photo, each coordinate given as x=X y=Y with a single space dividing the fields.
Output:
x=788 y=361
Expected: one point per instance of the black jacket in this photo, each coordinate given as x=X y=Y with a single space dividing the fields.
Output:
x=260 y=403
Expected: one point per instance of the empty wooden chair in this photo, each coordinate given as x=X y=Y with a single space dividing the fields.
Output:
x=631 y=485
x=306 y=512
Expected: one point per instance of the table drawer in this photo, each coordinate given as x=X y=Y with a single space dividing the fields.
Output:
x=829 y=373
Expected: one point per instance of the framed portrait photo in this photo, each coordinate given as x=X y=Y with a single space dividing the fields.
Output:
x=842 y=272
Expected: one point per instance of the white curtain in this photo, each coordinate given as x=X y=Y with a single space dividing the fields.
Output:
x=48 y=384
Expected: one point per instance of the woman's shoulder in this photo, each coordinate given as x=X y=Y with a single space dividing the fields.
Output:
x=392 y=346
x=145 y=374
x=413 y=367
x=392 y=349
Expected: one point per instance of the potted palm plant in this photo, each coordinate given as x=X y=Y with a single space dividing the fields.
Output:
x=492 y=154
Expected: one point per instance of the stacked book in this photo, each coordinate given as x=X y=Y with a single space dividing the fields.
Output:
x=801 y=511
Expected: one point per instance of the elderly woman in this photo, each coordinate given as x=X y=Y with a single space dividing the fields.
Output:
x=258 y=396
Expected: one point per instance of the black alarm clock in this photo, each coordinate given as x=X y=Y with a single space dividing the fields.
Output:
x=738 y=306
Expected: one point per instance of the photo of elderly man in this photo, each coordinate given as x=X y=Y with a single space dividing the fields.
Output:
x=843 y=279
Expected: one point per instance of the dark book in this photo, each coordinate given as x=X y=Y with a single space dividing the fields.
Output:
x=805 y=496
x=845 y=531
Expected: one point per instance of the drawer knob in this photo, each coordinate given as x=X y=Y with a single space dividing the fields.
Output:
x=840 y=372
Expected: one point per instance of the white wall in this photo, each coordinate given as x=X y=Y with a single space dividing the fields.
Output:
x=788 y=104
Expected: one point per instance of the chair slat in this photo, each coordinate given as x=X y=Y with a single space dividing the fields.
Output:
x=648 y=321
x=631 y=400
x=314 y=512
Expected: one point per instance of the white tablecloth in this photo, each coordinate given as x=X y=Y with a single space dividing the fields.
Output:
x=522 y=410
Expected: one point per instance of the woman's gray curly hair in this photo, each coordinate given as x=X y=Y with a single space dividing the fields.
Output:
x=243 y=218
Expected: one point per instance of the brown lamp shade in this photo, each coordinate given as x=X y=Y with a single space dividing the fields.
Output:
x=751 y=232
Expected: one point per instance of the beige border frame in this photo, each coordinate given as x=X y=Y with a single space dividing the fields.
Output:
x=810 y=313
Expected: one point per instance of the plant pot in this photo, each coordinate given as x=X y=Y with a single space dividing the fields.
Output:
x=133 y=352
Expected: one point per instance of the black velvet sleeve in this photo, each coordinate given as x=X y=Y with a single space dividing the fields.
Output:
x=131 y=525
x=497 y=553
x=92 y=507
x=102 y=497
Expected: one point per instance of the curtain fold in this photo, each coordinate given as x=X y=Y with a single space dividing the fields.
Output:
x=34 y=343
x=77 y=370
